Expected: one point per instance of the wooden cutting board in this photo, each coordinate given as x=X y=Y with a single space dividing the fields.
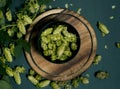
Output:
x=79 y=63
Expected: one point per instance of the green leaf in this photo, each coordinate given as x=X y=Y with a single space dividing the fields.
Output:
x=5 y=85
x=18 y=51
x=0 y=50
x=24 y=44
x=4 y=38
x=6 y=78
x=21 y=45
x=2 y=3
x=2 y=69
x=2 y=18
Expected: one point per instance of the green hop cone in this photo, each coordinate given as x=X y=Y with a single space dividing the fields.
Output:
x=54 y=85
x=9 y=15
x=8 y=55
x=17 y=77
x=43 y=83
x=27 y=19
x=103 y=28
x=75 y=83
x=20 y=69
x=32 y=80
x=9 y=71
x=21 y=27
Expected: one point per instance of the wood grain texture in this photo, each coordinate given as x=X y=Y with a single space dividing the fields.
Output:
x=79 y=63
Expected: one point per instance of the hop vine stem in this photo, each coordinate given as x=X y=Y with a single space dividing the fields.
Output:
x=11 y=25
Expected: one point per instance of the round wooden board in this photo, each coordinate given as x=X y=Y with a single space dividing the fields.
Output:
x=82 y=60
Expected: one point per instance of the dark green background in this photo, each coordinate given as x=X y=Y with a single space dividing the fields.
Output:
x=93 y=11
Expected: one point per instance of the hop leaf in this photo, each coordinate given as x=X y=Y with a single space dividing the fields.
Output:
x=5 y=85
x=20 y=45
x=2 y=19
x=2 y=68
x=4 y=38
x=2 y=3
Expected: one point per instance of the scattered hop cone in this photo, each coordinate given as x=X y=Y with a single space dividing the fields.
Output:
x=31 y=9
x=2 y=59
x=54 y=85
x=31 y=72
x=7 y=54
x=36 y=7
x=19 y=34
x=103 y=28
x=21 y=27
x=33 y=80
x=9 y=15
x=43 y=83
x=43 y=7
x=20 y=69
x=101 y=75
x=117 y=44
x=68 y=86
x=97 y=59
x=38 y=77
x=2 y=19
x=17 y=77
x=12 y=47
x=9 y=71
x=84 y=80
x=75 y=83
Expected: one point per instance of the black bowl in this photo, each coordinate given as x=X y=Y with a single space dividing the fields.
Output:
x=53 y=23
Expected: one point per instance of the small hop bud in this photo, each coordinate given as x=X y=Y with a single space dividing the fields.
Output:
x=8 y=55
x=27 y=19
x=54 y=85
x=20 y=69
x=17 y=77
x=21 y=27
x=43 y=83
x=9 y=71
x=9 y=15
x=33 y=80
